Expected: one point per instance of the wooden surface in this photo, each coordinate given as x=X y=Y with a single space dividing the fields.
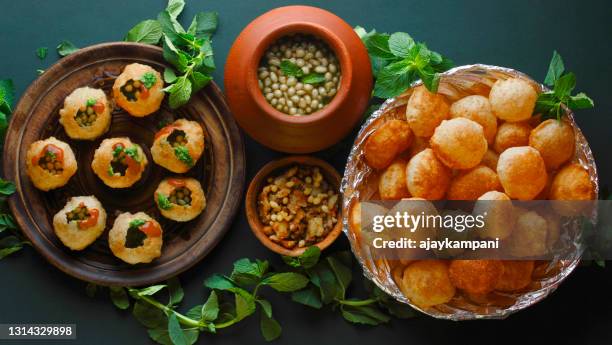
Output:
x=220 y=170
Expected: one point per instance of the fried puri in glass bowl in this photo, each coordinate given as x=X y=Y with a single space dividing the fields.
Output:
x=475 y=139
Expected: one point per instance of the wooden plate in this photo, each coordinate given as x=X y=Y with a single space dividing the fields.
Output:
x=220 y=170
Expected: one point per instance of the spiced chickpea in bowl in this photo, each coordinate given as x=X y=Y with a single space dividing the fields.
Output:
x=50 y=163
x=86 y=114
x=118 y=162
x=80 y=222
x=139 y=90
x=178 y=146
x=180 y=199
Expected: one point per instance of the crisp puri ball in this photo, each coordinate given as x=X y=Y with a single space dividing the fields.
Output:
x=426 y=283
x=475 y=276
x=426 y=176
x=392 y=183
x=118 y=162
x=571 y=186
x=180 y=198
x=555 y=140
x=470 y=184
x=139 y=90
x=516 y=275
x=522 y=172
x=478 y=109
x=80 y=222
x=135 y=238
x=511 y=134
x=530 y=234
x=386 y=143
x=490 y=159
x=500 y=216
x=86 y=114
x=512 y=99
x=50 y=163
x=425 y=111
x=178 y=146
x=459 y=143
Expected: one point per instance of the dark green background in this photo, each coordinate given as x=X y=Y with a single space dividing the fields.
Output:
x=521 y=35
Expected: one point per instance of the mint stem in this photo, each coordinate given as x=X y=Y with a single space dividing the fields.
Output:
x=358 y=303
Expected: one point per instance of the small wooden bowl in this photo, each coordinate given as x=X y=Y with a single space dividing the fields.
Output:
x=289 y=133
x=272 y=168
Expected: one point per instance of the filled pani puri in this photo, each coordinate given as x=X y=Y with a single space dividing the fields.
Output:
x=139 y=90
x=386 y=143
x=459 y=143
x=425 y=111
x=86 y=114
x=80 y=222
x=522 y=172
x=50 y=163
x=478 y=109
x=180 y=199
x=178 y=146
x=512 y=99
x=118 y=162
x=555 y=140
x=426 y=176
x=135 y=238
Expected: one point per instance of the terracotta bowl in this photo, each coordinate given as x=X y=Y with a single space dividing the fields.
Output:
x=275 y=129
x=278 y=166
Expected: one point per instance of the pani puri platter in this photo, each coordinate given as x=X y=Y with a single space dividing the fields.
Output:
x=361 y=183
x=220 y=170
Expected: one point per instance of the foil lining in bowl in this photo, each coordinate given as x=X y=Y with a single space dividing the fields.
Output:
x=358 y=184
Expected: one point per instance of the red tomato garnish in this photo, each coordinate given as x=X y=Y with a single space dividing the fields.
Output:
x=164 y=131
x=144 y=92
x=91 y=221
x=176 y=182
x=118 y=145
x=59 y=154
x=98 y=107
x=132 y=164
x=150 y=229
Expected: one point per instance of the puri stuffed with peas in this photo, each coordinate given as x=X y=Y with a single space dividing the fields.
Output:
x=118 y=162
x=139 y=90
x=180 y=199
x=135 y=238
x=50 y=163
x=178 y=146
x=86 y=114
x=80 y=222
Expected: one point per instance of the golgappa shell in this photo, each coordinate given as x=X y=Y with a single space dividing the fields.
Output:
x=163 y=152
x=43 y=179
x=475 y=276
x=426 y=176
x=140 y=107
x=555 y=140
x=522 y=172
x=512 y=99
x=425 y=111
x=71 y=235
x=102 y=161
x=471 y=184
x=511 y=134
x=426 y=283
x=181 y=213
x=147 y=252
x=386 y=143
x=392 y=183
x=75 y=101
x=478 y=109
x=459 y=143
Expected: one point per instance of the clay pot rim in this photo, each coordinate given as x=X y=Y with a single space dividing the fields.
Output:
x=330 y=174
x=303 y=27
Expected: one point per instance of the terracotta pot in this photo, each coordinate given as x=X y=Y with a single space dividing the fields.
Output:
x=277 y=167
x=307 y=133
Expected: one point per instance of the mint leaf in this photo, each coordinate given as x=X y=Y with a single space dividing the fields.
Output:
x=6 y=187
x=175 y=7
x=565 y=85
x=148 y=31
x=378 y=45
x=400 y=44
x=148 y=79
x=245 y=303
x=270 y=328
x=555 y=69
x=313 y=78
x=151 y=290
x=7 y=95
x=217 y=281
x=286 y=281
x=307 y=259
x=66 y=48
x=182 y=153
x=199 y=80
x=343 y=274
x=41 y=52
x=170 y=26
x=580 y=101
x=204 y=24
x=309 y=296
x=163 y=201
x=390 y=83
x=180 y=92
x=175 y=331
x=290 y=69
x=169 y=75
x=367 y=315
x=210 y=309
x=175 y=290
x=148 y=315
x=119 y=297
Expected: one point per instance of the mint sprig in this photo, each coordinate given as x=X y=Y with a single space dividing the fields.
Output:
x=292 y=70
x=550 y=103
x=311 y=280
x=398 y=61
